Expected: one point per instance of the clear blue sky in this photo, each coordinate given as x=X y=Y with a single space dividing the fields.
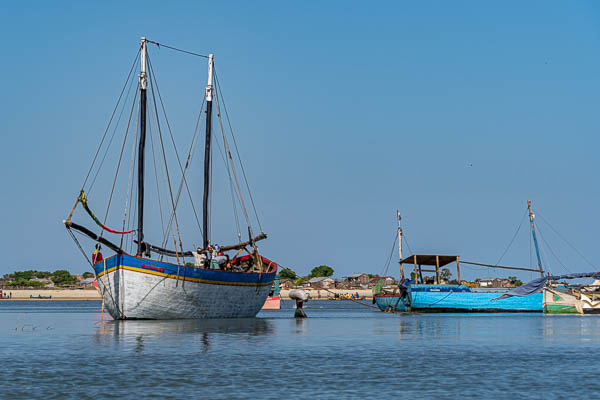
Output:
x=454 y=112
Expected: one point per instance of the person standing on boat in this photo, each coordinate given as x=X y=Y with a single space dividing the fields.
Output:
x=96 y=255
x=218 y=257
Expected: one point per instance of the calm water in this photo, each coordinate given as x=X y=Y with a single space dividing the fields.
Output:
x=56 y=350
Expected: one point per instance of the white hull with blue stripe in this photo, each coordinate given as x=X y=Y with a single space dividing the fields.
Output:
x=136 y=288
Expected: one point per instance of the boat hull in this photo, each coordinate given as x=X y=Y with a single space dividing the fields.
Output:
x=389 y=302
x=138 y=288
x=458 y=298
x=272 y=303
x=556 y=302
x=586 y=305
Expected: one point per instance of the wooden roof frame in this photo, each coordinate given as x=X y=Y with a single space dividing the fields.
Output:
x=436 y=260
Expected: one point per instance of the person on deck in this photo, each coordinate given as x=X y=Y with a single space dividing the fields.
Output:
x=219 y=258
x=96 y=255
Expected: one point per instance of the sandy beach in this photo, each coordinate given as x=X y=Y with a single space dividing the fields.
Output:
x=57 y=294
x=92 y=294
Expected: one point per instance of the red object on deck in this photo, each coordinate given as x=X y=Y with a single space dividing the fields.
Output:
x=265 y=260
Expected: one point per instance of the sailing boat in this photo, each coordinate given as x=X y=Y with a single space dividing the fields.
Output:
x=156 y=282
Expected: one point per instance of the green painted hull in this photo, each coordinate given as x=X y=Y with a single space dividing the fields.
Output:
x=560 y=309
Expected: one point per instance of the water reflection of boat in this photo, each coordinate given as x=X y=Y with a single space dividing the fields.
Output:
x=250 y=326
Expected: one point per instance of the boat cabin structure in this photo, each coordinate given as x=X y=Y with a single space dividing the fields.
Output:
x=418 y=261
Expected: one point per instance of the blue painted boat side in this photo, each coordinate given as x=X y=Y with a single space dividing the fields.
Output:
x=438 y=299
x=174 y=271
x=387 y=302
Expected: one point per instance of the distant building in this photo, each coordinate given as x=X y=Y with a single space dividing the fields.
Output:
x=47 y=282
x=357 y=280
x=87 y=282
x=320 y=282
x=387 y=280
x=286 y=284
x=494 y=283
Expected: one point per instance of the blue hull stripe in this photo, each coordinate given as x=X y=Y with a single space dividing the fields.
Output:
x=167 y=270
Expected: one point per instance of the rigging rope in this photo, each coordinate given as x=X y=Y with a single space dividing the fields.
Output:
x=154 y=86
x=231 y=164
x=159 y=45
x=220 y=95
x=512 y=240
x=112 y=137
x=129 y=199
x=152 y=90
x=387 y=265
x=111 y=118
x=566 y=241
x=119 y=163
x=552 y=251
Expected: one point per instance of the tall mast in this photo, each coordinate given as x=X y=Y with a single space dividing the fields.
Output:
x=399 y=218
x=142 y=145
x=209 y=94
x=535 y=242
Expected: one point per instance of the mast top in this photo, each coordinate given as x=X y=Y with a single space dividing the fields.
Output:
x=143 y=75
x=209 y=86
x=531 y=214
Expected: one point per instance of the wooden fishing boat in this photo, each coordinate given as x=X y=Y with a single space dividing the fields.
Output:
x=429 y=294
x=147 y=281
x=572 y=299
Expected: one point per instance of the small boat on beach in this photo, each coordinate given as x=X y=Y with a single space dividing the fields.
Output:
x=40 y=297
x=164 y=280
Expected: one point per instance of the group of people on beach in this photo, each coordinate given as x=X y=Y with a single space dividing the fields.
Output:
x=5 y=295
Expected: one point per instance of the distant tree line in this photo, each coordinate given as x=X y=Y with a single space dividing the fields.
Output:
x=31 y=278
x=321 y=270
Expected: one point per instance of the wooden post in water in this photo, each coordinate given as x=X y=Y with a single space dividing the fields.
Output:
x=416 y=276
x=458 y=269
x=437 y=269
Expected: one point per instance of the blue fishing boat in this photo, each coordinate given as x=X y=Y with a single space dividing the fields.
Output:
x=429 y=294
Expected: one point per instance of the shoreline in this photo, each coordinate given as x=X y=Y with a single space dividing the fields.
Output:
x=92 y=294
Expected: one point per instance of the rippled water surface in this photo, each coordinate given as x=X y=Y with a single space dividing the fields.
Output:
x=55 y=350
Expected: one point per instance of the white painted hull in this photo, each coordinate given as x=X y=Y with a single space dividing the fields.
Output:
x=134 y=295
x=137 y=288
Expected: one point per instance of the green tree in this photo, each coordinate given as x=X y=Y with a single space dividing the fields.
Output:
x=287 y=273
x=87 y=274
x=300 y=281
x=62 y=277
x=445 y=274
x=321 y=270
x=513 y=280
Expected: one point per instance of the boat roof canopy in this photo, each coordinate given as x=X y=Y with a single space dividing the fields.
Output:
x=429 y=259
